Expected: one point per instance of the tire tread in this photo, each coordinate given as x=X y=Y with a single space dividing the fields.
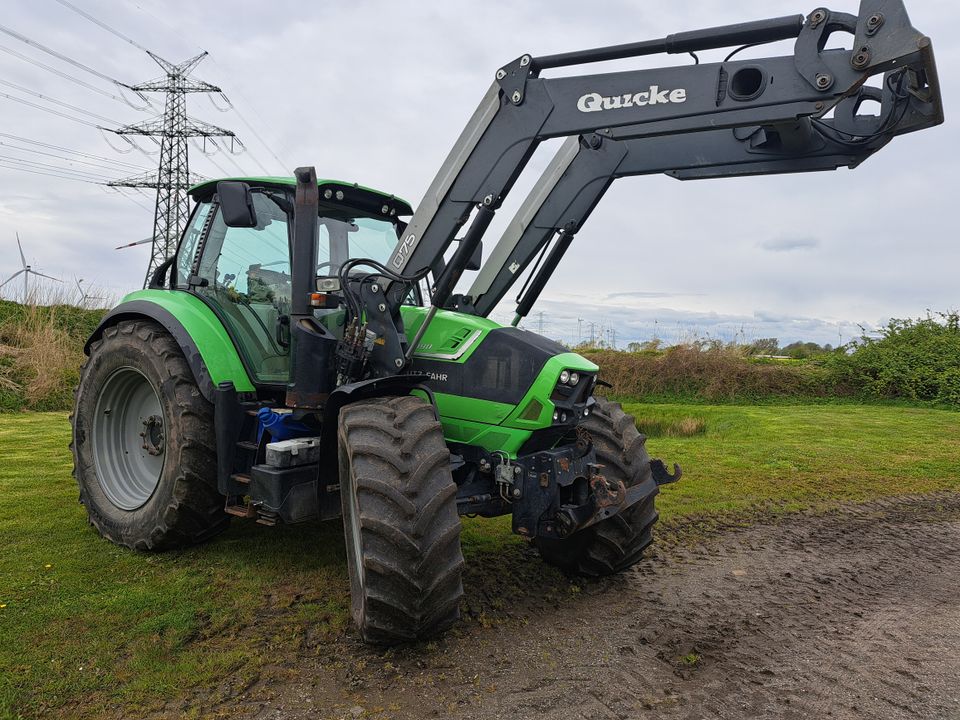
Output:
x=410 y=529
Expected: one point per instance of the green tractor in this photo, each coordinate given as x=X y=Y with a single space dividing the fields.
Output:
x=303 y=355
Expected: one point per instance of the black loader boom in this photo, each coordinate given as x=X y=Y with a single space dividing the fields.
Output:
x=765 y=115
x=586 y=166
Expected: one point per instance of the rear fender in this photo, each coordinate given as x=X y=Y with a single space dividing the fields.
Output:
x=209 y=351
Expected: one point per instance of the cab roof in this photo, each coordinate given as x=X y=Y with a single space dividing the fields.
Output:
x=206 y=189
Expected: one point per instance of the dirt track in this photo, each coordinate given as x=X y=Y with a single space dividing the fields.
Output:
x=848 y=614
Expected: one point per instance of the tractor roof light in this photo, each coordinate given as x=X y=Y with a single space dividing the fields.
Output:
x=564 y=377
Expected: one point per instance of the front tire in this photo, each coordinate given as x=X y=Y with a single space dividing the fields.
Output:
x=617 y=543
x=400 y=520
x=143 y=442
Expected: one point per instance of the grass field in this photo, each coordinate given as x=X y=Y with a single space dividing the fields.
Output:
x=85 y=625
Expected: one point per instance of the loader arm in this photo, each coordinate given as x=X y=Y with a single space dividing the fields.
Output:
x=585 y=167
x=522 y=109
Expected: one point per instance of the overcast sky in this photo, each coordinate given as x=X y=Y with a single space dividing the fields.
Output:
x=376 y=92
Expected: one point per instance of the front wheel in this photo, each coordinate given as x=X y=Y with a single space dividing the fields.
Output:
x=400 y=520
x=617 y=543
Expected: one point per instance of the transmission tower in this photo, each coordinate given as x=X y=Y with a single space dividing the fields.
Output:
x=173 y=178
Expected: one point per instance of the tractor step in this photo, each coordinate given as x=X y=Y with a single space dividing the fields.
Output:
x=248 y=445
x=244 y=511
x=242 y=478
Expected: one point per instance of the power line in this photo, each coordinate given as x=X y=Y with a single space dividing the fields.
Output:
x=93 y=164
x=49 y=99
x=71 y=78
x=218 y=166
x=49 y=110
x=50 y=146
x=132 y=199
x=229 y=157
x=103 y=25
x=131 y=144
x=97 y=73
x=245 y=150
x=60 y=56
x=255 y=133
x=3 y=164
x=88 y=173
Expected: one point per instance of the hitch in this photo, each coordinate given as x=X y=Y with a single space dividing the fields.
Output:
x=606 y=493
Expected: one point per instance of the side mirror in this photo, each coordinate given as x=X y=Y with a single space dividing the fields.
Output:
x=236 y=204
x=477 y=258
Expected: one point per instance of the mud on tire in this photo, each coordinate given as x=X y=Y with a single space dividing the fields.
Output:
x=617 y=543
x=184 y=507
x=400 y=520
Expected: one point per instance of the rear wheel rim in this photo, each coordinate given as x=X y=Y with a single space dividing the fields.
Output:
x=129 y=439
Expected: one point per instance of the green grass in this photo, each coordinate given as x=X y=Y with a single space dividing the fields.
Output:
x=88 y=628
x=795 y=456
x=87 y=622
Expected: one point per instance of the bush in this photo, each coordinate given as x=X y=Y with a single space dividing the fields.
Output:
x=912 y=359
x=41 y=348
x=711 y=371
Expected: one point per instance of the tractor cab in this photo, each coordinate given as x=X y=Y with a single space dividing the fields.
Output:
x=495 y=388
x=240 y=264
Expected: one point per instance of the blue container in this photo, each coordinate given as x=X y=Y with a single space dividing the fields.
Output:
x=280 y=426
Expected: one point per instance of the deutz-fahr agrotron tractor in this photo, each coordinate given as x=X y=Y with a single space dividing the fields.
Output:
x=303 y=354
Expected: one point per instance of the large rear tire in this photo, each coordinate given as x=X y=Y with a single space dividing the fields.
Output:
x=143 y=442
x=617 y=543
x=400 y=520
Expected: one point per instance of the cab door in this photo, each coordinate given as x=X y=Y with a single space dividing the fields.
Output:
x=244 y=275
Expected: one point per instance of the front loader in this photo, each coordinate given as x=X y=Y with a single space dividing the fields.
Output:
x=304 y=356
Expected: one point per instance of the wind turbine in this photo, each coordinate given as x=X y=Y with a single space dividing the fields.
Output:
x=83 y=293
x=26 y=271
x=138 y=242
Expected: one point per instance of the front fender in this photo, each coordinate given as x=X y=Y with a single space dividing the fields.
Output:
x=389 y=386
x=209 y=351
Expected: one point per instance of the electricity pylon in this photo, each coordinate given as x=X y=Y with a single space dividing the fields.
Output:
x=173 y=178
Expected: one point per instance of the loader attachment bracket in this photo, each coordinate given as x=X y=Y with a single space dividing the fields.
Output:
x=513 y=77
x=820 y=25
x=660 y=474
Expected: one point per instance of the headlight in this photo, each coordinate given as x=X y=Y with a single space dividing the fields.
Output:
x=574 y=378
x=564 y=377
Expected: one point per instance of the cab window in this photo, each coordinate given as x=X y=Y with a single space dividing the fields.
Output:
x=245 y=275
x=188 y=247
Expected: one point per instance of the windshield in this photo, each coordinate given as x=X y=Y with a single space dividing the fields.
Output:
x=347 y=239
